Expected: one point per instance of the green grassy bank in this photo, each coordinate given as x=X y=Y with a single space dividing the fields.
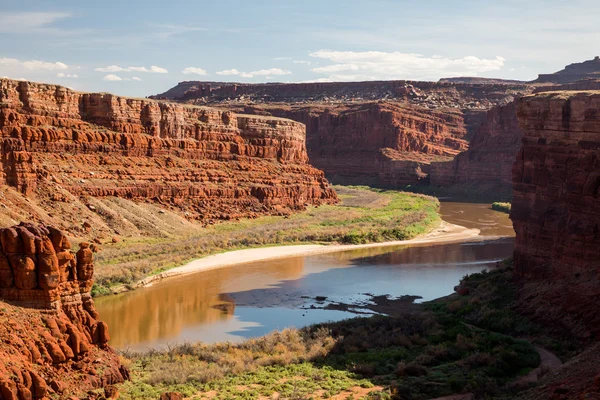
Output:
x=363 y=215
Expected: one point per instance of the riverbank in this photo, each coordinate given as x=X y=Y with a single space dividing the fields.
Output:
x=469 y=344
x=444 y=233
x=364 y=215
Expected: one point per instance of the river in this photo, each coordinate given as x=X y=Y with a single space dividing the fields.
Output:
x=234 y=303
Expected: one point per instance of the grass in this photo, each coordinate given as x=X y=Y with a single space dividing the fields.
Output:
x=364 y=215
x=502 y=207
x=461 y=344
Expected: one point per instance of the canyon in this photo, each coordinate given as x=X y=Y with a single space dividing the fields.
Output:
x=61 y=146
x=479 y=111
x=53 y=342
x=388 y=134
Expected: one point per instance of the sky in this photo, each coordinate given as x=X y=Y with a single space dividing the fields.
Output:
x=139 y=48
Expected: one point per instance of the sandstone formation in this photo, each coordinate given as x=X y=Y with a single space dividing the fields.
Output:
x=556 y=208
x=385 y=144
x=384 y=133
x=210 y=164
x=53 y=343
x=486 y=167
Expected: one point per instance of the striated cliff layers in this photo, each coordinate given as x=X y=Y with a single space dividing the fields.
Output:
x=378 y=143
x=211 y=164
x=556 y=206
x=486 y=167
x=53 y=343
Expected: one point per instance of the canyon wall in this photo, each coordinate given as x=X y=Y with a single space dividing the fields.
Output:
x=53 y=343
x=556 y=207
x=386 y=144
x=486 y=167
x=210 y=164
x=381 y=133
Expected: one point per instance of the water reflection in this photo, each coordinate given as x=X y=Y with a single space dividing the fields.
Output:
x=253 y=299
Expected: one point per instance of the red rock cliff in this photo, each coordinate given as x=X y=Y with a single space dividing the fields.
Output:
x=213 y=164
x=53 y=343
x=556 y=205
x=486 y=167
x=379 y=143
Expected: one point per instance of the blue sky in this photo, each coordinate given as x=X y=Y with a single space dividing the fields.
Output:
x=139 y=48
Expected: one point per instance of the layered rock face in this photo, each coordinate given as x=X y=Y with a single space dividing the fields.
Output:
x=211 y=164
x=556 y=205
x=487 y=165
x=53 y=343
x=385 y=144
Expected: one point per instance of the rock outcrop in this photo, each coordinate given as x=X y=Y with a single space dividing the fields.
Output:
x=211 y=164
x=53 y=343
x=589 y=69
x=486 y=167
x=386 y=144
x=556 y=208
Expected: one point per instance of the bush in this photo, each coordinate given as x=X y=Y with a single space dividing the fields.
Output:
x=502 y=207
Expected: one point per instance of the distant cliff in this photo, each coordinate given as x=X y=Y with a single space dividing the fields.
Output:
x=589 y=69
x=386 y=144
x=486 y=167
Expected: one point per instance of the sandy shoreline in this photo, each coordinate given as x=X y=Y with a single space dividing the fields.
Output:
x=444 y=233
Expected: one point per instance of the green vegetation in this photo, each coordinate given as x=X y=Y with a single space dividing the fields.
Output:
x=502 y=207
x=364 y=215
x=457 y=345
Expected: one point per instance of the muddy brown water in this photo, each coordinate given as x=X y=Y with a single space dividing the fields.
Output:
x=249 y=300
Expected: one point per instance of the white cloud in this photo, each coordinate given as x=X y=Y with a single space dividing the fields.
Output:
x=158 y=70
x=302 y=62
x=260 y=72
x=282 y=58
x=116 y=68
x=232 y=71
x=112 y=77
x=371 y=65
x=64 y=75
x=116 y=78
x=272 y=71
x=33 y=65
x=194 y=71
x=16 y=22
x=110 y=68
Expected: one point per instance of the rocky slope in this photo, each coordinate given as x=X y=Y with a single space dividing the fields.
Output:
x=208 y=164
x=379 y=143
x=556 y=206
x=53 y=343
